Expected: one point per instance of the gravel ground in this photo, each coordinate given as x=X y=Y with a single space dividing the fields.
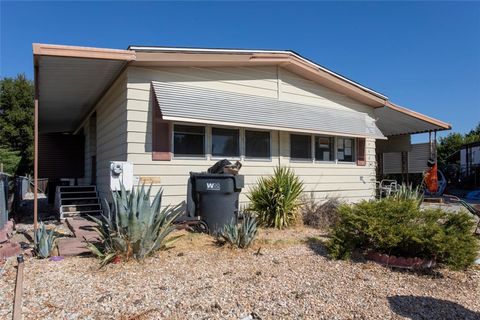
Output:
x=284 y=276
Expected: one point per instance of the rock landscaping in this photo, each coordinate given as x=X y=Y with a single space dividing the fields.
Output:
x=286 y=274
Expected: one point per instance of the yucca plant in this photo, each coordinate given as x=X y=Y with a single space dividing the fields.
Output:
x=408 y=192
x=275 y=199
x=133 y=227
x=240 y=235
x=44 y=241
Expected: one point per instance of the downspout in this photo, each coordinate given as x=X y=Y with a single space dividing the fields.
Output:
x=35 y=158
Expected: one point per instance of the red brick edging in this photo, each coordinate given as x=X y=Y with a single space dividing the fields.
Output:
x=400 y=262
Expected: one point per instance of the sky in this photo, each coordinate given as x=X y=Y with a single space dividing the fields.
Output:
x=422 y=55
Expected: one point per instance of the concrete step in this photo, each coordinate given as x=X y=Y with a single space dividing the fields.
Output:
x=80 y=207
x=71 y=214
x=77 y=201
x=77 y=188
x=78 y=194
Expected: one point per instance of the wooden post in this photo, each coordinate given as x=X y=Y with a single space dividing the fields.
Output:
x=17 y=300
x=35 y=158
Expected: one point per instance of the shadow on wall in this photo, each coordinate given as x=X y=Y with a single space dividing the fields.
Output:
x=416 y=308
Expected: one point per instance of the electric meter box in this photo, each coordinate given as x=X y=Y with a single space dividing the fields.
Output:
x=121 y=172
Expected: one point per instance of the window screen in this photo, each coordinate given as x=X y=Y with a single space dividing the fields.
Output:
x=324 y=149
x=300 y=147
x=225 y=142
x=257 y=144
x=345 y=149
x=188 y=141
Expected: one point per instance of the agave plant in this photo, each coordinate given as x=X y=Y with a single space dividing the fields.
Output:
x=44 y=241
x=408 y=192
x=133 y=227
x=276 y=199
x=239 y=235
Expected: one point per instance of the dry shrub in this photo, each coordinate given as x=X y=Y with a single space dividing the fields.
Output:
x=319 y=214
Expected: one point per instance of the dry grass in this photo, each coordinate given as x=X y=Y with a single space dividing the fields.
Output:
x=285 y=275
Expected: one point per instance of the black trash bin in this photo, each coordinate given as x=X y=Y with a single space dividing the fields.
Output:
x=216 y=198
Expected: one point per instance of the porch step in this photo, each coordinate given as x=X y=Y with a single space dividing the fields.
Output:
x=81 y=207
x=74 y=201
x=79 y=194
x=68 y=214
x=91 y=200
x=77 y=188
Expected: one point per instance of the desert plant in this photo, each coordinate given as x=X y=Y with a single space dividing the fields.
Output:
x=275 y=199
x=44 y=241
x=133 y=227
x=402 y=228
x=240 y=235
x=319 y=214
x=408 y=192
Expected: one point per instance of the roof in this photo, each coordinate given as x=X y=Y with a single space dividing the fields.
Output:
x=254 y=52
x=77 y=77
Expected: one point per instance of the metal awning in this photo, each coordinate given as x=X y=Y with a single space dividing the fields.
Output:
x=395 y=120
x=70 y=81
x=188 y=103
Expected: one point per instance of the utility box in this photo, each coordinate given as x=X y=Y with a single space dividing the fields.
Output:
x=121 y=172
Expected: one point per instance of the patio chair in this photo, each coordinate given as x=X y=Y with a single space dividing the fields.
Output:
x=387 y=187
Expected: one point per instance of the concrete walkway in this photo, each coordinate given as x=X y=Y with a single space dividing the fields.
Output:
x=82 y=229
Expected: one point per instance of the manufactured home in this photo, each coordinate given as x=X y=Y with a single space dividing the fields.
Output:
x=169 y=111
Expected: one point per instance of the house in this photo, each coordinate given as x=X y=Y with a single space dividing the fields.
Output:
x=169 y=111
x=470 y=158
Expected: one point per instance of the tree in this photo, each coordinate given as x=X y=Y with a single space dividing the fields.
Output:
x=16 y=121
x=448 y=145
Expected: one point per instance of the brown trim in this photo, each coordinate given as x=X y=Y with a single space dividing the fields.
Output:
x=161 y=134
x=41 y=49
x=361 y=152
x=419 y=116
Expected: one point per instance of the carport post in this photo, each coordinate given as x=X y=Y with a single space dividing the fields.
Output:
x=35 y=157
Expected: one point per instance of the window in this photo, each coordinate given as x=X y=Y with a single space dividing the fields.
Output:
x=257 y=144
x=345 y=149
x=300 y=147
x=324 y=149
x=225 y=142
x=188 y=141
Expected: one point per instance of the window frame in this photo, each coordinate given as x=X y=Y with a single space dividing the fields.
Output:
x=210 y=146
x=301 y=160
x=247 y=158
x=354 y=150
x=205 y=133
x=334 y=147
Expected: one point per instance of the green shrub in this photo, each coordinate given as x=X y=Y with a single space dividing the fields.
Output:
x=134 y=228
x=44 y=241
x=399 y=227
x=240 y=235
x=319 y=214
x=275 y=199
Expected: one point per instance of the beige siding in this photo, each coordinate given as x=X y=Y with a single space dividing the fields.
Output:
x=111 y=128
x=347 y=181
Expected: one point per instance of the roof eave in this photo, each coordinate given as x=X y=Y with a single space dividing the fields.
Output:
x=442 y=125
x=41 y=49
